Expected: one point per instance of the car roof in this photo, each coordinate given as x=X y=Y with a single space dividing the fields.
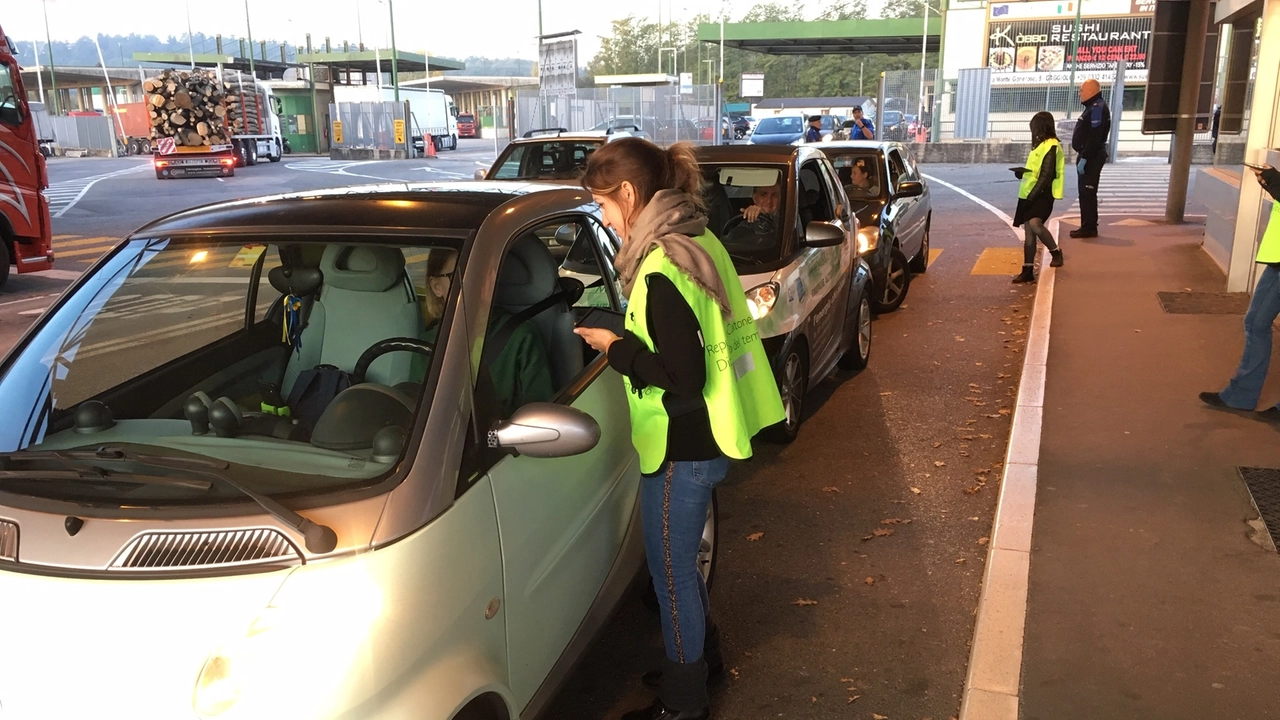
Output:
x=748 y=153
x=573 y=135
x=858 y=145
x=455 y=208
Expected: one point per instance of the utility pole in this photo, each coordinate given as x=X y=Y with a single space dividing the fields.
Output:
x=1075 y=57
x=924 y=46
x=395 y=70
x=191 y=48
x=1188 y=98
x=35 y=46
x=53 y=71
x=311 y=80
x=249 y=27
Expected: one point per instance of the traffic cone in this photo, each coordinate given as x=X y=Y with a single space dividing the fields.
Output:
x=430 y=144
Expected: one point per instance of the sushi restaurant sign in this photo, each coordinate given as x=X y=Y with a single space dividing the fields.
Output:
x=1029 y=43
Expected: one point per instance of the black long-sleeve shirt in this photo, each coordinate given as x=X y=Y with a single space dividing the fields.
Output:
x=1271 y=183
x=1048 y=173
x=1093 y=129
x=677 y=365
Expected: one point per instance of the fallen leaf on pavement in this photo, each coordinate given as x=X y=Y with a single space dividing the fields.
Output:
x=959 y=561
x=813 y=698
x=983 y=540
x=959 y=339
x=1005 y=411
x=1004 y=375
x=755 y=536
x=939 y=463
x=890 y=392
x=982 y=471
x=870 y=580
x=852 y=698
x=831 y=489
x=801 y=602
x=970 y=422
x=895 y=521
x=916 y=490
x=984 y=436
x=878 y=716
x=937 y=445
x=882 y=532
x=734 y=673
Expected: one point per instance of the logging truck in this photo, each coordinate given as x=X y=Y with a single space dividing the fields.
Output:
x=204 y=124
x=25 y=231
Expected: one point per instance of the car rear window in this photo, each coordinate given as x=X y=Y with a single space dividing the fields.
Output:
x=780 y=125
x=549 y=160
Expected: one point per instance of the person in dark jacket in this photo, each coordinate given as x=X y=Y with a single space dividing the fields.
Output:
x=1093 y=131
x=1245 y=388
x=1042 y=183
x=814 y=133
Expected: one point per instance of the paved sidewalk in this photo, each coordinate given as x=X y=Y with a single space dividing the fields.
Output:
x=1147 y=596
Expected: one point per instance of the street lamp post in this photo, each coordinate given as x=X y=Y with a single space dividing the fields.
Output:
x=53 y=71
x=395 y=71
x=249 y=27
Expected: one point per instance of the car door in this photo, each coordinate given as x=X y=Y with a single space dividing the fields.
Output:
x=822 y=268
x=562 y=521
x=909 y=220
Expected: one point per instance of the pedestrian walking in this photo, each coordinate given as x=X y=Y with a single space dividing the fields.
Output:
x=1090 y=141
x=1243 y=391
x=1043 y=182
x=814 y=133
x=698 y=385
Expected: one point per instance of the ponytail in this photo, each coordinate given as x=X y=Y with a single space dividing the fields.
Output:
x=647 y=167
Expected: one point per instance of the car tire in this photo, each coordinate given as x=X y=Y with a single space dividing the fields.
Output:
x=855 y=359
x=892 y=288
x=5 y=259
x=708 y=554
x=920 y=263
x=793 y=383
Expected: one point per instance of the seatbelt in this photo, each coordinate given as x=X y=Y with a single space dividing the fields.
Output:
x=497 y=342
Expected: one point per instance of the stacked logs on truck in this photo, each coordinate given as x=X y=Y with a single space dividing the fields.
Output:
x=245 y=100
x=188 y=106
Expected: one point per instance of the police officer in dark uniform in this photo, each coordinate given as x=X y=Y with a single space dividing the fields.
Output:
x=1093 y=130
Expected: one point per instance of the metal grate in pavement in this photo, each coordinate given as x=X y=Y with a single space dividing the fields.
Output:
x=1264 y=486
x=1204 y=303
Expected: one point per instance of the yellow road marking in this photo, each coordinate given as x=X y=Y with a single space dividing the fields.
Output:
x=64 y=237
x=82 y=242
x=998 y=261
x=99 y=250
x=934 y=253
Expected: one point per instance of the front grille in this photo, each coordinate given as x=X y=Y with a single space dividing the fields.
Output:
x=165 y=550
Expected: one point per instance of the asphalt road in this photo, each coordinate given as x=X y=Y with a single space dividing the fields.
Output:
x=850 y=560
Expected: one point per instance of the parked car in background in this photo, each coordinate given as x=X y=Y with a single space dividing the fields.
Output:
x=741 y=126
x=779 y=130
x=894 y=125
x=807 y=288
x=894 y=214
x=426 y=549
x=552 y=155
x=467 y=126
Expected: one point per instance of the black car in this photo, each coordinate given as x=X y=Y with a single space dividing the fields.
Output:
x=741 y=126
x=894 y=213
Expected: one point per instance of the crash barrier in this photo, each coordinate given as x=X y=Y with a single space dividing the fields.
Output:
x=367 y=131
x=664 y=112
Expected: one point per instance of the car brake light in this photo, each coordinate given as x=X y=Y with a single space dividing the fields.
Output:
x=162 y=163
x=227 y=161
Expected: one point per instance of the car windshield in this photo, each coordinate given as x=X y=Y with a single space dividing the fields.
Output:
x=466 y=118
x=746 y=209
x=216 y=350
x=780 y=126
x=859 y=172
x=547 y=160
x=892 y=117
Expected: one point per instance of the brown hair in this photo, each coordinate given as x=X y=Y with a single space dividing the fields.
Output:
x=646 y=166
x=1042 y=128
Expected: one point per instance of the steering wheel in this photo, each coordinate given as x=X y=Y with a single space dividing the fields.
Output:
x=382 y=347
x=765 y=224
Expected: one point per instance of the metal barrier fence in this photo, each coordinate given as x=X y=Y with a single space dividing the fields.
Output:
x=366 y=125
x=91 y=133
x=663 y=112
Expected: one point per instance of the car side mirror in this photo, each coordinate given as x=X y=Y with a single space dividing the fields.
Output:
x=480 y=174
x=909 y=188
x=566 y=234
x=821 y=233
x=546 y=430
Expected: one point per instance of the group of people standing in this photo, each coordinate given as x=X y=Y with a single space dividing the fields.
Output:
x=1043 y=178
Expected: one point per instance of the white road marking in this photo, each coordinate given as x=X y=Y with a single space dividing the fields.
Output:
x=60 y=274
x=34 y=311
x=64 y=195
x=23 y=300
x=1008 y=221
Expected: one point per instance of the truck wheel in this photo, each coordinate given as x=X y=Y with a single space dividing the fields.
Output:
x=5 y=259
x=146 y=146
x=252 y=147
x=279 y=153
x=453 y=142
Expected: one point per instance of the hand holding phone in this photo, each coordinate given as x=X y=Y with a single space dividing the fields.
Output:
x=1257 y=168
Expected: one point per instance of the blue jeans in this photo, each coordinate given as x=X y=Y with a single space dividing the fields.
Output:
x=673 y=506
x=1243 y=390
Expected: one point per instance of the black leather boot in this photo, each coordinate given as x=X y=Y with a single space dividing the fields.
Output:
x=711 y=651
x=1057 y=258
x=1027 y=275
x=682 y=694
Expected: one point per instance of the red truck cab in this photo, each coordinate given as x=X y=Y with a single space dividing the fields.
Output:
x=466 y=125
x=26 y=240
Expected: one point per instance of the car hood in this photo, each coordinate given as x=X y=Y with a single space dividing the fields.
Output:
x=867 y=212
x=127 y=647
x=759 y=138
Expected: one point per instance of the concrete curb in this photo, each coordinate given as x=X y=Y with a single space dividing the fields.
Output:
x=992 y=687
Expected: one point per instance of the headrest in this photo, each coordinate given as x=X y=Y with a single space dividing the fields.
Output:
x=362 y=268
x=529 y=274
x=809 y=180
x=295 y=281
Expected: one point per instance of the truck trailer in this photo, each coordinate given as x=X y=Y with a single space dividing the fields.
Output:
x=26 y=234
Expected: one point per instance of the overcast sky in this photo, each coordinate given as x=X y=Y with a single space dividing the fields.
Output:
x=488 y=28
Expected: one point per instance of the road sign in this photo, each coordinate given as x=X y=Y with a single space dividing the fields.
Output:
x=686 y=83
x=558 y=67
x=337 y=132
x=751 y=85
x=399 y=128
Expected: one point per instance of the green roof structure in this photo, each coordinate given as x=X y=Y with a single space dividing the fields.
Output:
x=828 y=37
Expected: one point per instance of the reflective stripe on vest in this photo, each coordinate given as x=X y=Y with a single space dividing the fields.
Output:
x=1269 y=248
x=1034 y=162
x=741 y=393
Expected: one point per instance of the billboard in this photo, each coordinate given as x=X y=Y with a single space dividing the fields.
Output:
x=558 y=67
x=751 y=85
x=1029 y=43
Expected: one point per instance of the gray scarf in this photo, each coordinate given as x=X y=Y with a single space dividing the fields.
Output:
x=670 y=221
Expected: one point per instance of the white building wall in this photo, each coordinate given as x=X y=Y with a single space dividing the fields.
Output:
x=964 y=41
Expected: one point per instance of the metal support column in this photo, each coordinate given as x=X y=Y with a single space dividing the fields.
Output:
x=1188 y=97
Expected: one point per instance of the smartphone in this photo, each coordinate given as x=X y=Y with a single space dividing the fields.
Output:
x=604 y=319
x=1259 y=168
x=1019 y=169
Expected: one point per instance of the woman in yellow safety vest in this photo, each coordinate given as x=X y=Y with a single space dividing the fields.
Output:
x=698 y=384
x=1042 y=183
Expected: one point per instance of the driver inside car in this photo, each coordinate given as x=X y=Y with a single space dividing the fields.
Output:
x=763 y=200
x=521 y=372
x=861 y=183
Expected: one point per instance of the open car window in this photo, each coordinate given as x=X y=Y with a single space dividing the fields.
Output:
x=730 y=191
x=859 y=172
x=221 y=349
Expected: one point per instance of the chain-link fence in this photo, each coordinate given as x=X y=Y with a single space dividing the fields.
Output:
x=367 y=126
x=900 y=113
x=663 y=112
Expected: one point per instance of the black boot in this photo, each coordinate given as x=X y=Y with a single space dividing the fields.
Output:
x=1057 y=258
x=711 y=651
x=1027 y=275
x=1084 y=233
x=682 y=694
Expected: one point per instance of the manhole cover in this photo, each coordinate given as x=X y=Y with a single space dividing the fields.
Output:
x=1204 y=303
x=1264 y=486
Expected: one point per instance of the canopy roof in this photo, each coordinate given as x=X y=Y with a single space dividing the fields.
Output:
x=827 y=37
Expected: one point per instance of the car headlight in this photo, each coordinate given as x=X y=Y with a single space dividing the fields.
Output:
x=868 y=240
x=761 y=299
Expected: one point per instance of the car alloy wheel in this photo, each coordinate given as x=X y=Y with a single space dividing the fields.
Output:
x=893 y=288
x=859 y=352
x=793 y=381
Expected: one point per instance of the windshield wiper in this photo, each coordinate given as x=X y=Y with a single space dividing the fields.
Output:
x=101 y=475
x=318 y=538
